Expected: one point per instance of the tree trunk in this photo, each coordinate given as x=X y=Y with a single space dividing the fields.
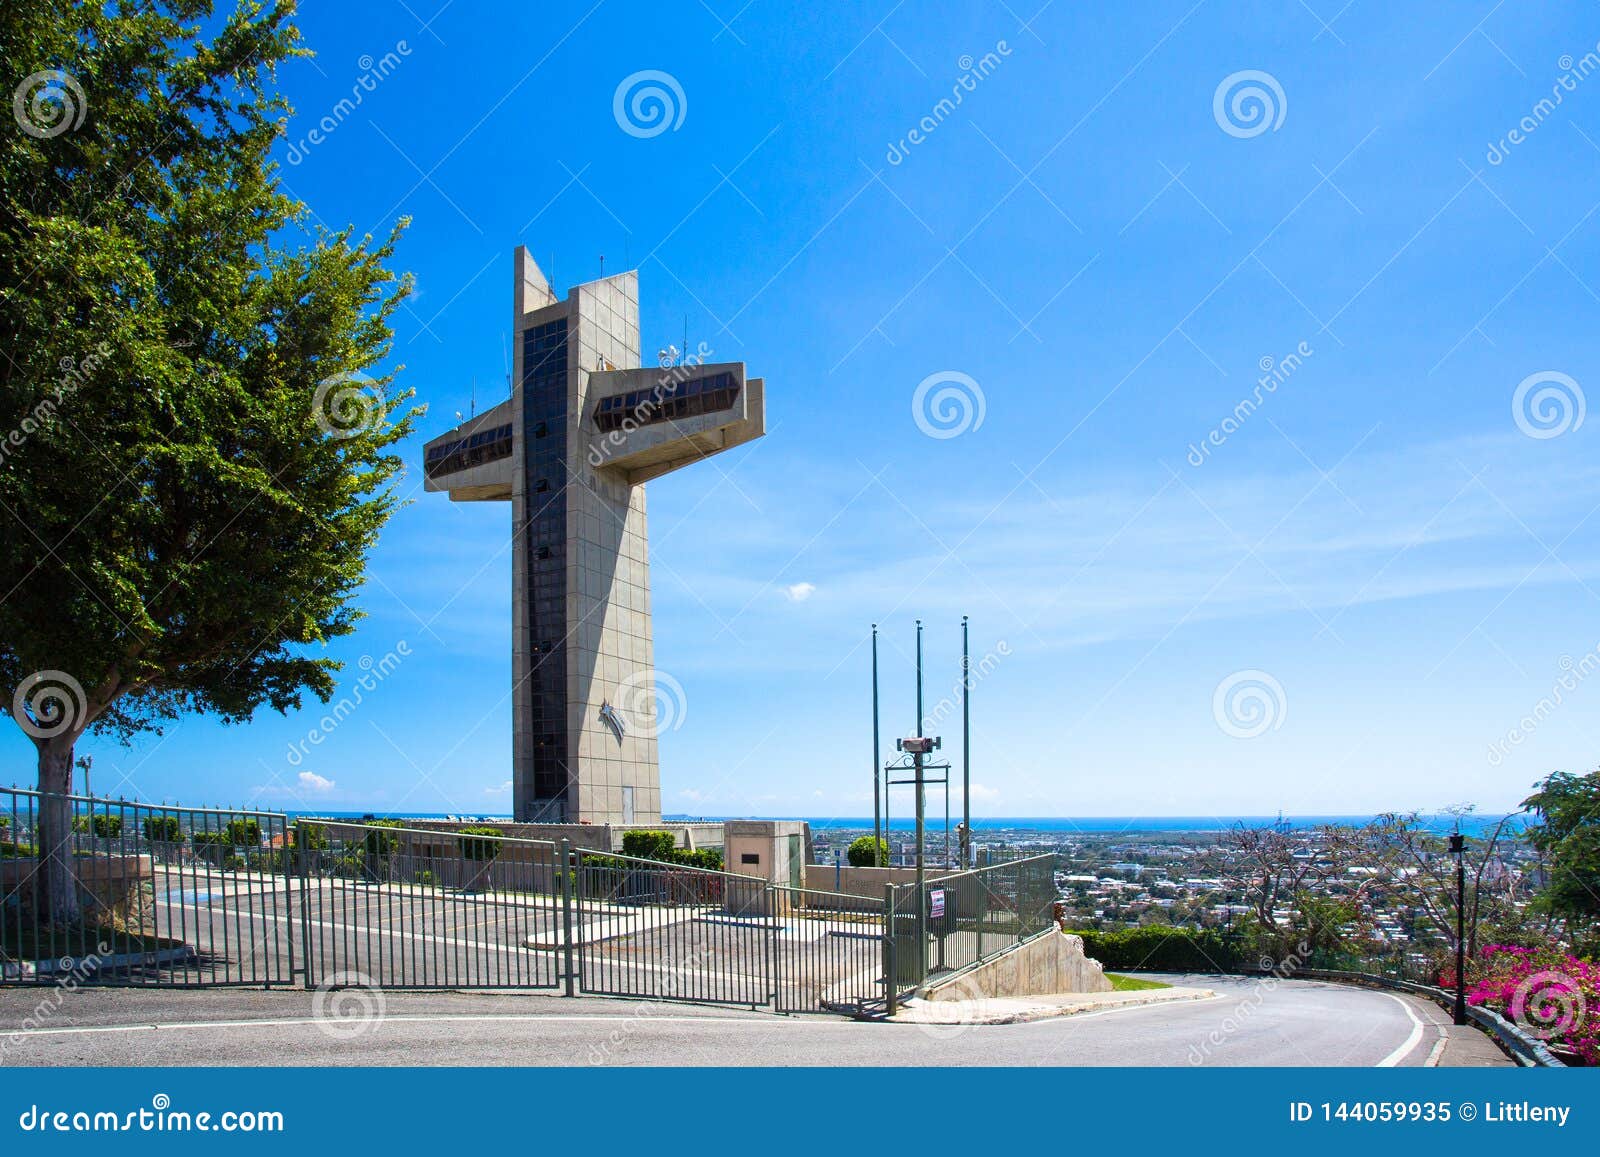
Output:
x=57 y=901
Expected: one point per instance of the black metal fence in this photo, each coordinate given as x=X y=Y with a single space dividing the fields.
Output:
x=957 y=921
x=160 y=895
x=191 y=896
x=408 y=908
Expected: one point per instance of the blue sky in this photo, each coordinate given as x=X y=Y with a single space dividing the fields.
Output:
x=1379 y=548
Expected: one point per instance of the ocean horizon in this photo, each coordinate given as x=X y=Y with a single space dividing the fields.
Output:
x=1089 y=825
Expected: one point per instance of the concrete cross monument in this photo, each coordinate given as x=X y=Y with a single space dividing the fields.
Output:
x=585 y=427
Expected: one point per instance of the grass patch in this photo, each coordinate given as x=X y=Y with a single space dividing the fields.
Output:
x=1120 y=983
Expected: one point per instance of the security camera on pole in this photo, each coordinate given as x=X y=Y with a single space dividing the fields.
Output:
x=919 y=748
x=913 y=757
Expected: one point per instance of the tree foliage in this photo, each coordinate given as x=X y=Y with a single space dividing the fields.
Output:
x=867 y=852
x=1567 y=836
x=649 y=844
x=1299 y=886
x=475 y=847
x=1416 y=874
x=194 y=464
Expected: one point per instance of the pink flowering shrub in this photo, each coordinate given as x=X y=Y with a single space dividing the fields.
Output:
x=1548 y=993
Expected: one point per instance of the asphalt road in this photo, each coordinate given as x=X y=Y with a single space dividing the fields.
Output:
x=1291 y=1023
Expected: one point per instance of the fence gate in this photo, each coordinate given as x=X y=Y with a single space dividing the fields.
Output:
x=827 y=951
x=392 y=907
x=676 y=933
x=196 y=896
x=669 y=932
x=167 y=896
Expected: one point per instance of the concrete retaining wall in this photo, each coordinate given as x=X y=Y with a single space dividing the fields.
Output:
x=592 y=837
x=1050 y=963
x=111 y=889
x=866 y=882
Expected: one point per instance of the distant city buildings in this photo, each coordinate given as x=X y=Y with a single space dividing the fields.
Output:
x=1111 y=880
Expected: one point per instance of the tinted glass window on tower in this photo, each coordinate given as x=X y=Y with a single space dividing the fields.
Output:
x=544 y=400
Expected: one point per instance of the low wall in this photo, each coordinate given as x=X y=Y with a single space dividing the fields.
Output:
x=1050 y=963
x=865 y=882
x=110 y=888
x=590 y=837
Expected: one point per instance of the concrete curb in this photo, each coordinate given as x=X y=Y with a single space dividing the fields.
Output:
x=30 y=969
x=1021 y=1010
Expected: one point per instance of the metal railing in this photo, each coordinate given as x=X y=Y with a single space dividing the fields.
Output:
x=163 y=895
x=669 y=931
x=408 y=908
x=958 y=921
x=828 y=954
x=197 y=896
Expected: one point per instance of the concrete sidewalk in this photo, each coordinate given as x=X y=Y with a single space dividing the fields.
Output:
x=1018 y=1009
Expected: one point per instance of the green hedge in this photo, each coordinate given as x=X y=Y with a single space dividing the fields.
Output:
x=238 y=834
x=9 y=849
x=1163 y=948
x=646 y=844
x=708 y=858
x=380 y=843
x=102 y=824
x=649 y=845
x=477 y=849
x=162 y=829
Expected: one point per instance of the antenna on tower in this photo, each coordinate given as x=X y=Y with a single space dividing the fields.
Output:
x=602 y=265
x=473 y=412
x=505 y=360
x=686 y=339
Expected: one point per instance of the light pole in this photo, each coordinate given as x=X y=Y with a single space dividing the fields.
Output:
x=879 y=857
x=966 y=752
x=1458 y=846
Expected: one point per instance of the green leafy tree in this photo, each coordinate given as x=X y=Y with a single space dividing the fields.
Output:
x=100 y=825
x=193 y=467
x=1567 y=836
x=867 y=852
x=162 y=829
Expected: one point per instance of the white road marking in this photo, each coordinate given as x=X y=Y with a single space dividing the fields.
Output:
x=366 y=930
x=1111 y=1011
x=1411 y=1041
x=519 y=1018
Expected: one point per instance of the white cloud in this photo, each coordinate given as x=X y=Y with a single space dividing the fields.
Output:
x=1128 y=556
x=799 y=592
x=310 y=781
x=498 y=789
x=979 y=791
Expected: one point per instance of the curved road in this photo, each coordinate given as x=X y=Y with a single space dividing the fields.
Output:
x=1291 y=1023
